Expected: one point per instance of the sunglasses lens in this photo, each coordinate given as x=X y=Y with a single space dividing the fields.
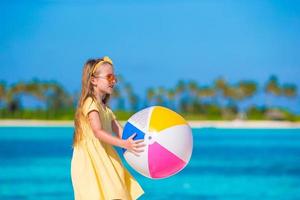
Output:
x=111 y=78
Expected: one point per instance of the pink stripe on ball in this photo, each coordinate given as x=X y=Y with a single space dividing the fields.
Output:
x=163 y=163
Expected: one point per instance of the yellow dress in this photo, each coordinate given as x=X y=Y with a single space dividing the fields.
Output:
x=96 y=169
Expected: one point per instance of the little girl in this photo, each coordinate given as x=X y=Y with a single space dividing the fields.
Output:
x=96 y=169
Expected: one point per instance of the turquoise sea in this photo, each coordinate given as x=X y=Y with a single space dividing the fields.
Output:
x=226 y=164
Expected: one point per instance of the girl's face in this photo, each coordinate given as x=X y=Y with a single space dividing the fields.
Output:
x=104 y=79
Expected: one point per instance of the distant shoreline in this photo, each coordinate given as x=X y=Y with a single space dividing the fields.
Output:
x=193 y=124
x=244 y=124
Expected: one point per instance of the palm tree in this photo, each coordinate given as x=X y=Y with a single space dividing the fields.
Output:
x=2 y=96
x=241 y=91
x=206 y=91
x=289 y=90
x=220 y=83
x=56 y=97
x=171 y=98
x=2 y=91
x=248 y=88
x=245 y=90
x=160 y=96
x=220 y=86
x=36 y=89
x=193 y=87
x=117 y=93
x=193 y=100
x=118 y=97
x=272 y=87
x=13 y=98
x=149 y=96
x=180 y=88
x=132 y=98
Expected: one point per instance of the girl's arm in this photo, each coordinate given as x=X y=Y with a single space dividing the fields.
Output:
x=135 y=146
x=117 y=128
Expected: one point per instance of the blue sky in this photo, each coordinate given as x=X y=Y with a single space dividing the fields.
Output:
x=152 y=43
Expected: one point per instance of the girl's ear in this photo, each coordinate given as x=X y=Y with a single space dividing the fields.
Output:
x=93 y=80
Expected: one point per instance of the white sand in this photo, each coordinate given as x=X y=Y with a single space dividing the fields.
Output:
x=193 y=124
x=28 y=123
x=244 y=124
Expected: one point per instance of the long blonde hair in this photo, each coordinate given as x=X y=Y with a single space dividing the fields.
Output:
x=86 y=91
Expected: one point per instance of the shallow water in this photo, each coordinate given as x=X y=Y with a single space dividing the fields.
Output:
x=226 y=164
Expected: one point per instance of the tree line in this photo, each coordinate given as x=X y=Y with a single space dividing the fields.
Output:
x=218 y=100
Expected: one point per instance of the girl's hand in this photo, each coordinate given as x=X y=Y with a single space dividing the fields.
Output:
x=134 y=146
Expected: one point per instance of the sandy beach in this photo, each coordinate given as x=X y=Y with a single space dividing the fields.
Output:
x=39 y=123
x=193 y=124
x=244 y=124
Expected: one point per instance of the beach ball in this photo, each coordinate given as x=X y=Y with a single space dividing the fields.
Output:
x=168 y=139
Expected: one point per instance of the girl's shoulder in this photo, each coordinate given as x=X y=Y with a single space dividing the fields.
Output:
x=89 y=104
x=88 y=100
